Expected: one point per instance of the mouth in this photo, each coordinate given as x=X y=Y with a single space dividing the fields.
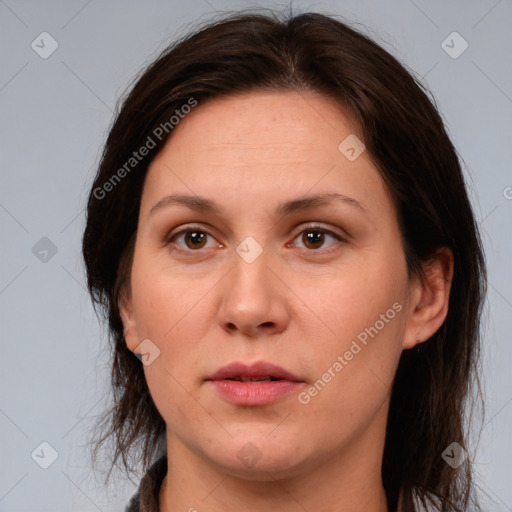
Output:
x=253 y=379
x=253 y=385
x=258 y=372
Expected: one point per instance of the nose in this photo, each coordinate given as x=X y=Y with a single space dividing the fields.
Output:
x=254 y=300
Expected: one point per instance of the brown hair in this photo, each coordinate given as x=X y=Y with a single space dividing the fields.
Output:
x=406 y=138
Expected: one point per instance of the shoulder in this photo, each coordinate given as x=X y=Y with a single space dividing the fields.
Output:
x=146 y=497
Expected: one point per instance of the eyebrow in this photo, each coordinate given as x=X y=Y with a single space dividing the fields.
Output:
x=202 y=204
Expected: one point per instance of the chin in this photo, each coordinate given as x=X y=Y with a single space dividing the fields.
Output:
x=261 y=461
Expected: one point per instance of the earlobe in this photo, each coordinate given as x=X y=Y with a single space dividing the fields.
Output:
x=430 y=298
x=128 y=320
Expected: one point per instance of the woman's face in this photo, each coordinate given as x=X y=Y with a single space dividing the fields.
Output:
x=317 y=287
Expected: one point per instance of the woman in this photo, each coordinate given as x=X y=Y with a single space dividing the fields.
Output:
x=280 y=237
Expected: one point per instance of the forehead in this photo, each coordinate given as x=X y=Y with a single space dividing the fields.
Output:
x=263 y=144
x=266 y=120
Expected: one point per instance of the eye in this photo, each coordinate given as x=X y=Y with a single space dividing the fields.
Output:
x=314 y=237
x=193 y=237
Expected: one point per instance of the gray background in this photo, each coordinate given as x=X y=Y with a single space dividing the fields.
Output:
x=55 y=113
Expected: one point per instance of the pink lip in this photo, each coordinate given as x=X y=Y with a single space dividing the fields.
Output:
x=260 y=369
x=253 y=393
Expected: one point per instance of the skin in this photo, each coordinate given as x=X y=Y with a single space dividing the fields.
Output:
x=299 y=305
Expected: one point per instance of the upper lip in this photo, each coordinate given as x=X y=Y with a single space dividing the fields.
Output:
x=259 y=369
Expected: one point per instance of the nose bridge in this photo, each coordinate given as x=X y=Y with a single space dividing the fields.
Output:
x=252 y=272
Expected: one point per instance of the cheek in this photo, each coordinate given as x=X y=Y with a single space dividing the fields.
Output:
x=174 y=313
x=359 y=354
x=353 y=379
x=363 y=296
x=165 y=301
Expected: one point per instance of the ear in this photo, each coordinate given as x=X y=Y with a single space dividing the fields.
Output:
x=130 y=332
x=428 y=303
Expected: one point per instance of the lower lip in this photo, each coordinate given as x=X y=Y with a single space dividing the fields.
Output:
x=254 y=393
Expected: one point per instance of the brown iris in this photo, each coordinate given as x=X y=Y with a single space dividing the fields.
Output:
x=313 y=237
x=197 y=239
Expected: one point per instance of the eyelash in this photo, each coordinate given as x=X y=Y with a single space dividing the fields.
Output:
x=315 y=228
